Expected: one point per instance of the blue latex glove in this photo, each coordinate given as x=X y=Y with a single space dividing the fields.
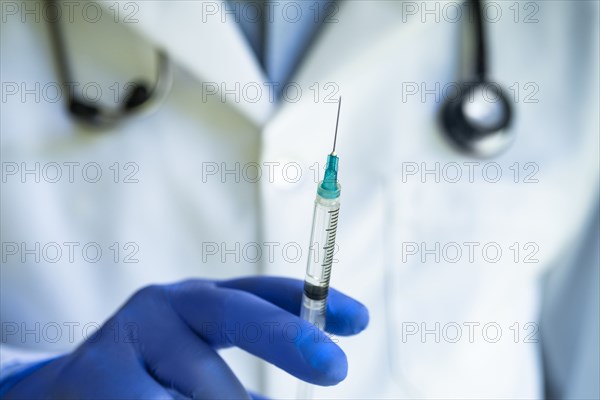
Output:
x=175 y=331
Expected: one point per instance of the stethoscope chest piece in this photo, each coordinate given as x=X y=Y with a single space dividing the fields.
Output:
x=477 y=120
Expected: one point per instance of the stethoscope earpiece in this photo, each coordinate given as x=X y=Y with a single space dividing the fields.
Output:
x=83 y=111
x=102 y=117
x=137 y=96
x=477 y=120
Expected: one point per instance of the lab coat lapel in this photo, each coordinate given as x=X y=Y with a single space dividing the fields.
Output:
x=338 y=51
x=333 y=65
x=347 y=34
x=204 y=39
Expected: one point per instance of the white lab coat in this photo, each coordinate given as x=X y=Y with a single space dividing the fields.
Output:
x=174 y=211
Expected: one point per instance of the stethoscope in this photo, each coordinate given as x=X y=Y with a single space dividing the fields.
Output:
x=140 y=97
x=475 y=121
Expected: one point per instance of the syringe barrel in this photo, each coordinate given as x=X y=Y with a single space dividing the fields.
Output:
x=320 y=259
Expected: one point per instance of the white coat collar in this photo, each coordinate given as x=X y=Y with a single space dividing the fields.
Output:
x=194 y=36
x=204 y=39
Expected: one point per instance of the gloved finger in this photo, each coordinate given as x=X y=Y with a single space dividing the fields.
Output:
x=176 y=395
x=256 y=396
x=105 y=372
x=137 y=384
x=181 y=360
x=344 y=315
x=225 y=317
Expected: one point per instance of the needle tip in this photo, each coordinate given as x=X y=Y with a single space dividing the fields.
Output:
x=337 y=122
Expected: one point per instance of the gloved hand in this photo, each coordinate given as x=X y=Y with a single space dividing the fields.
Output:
x=175 y=331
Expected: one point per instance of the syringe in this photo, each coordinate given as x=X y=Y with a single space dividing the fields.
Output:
x=322 y=240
